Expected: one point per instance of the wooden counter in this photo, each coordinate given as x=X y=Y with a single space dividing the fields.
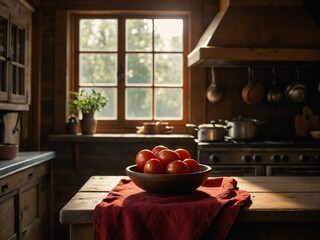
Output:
x=281 y=208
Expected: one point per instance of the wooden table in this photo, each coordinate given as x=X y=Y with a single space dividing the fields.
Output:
x=281 y=208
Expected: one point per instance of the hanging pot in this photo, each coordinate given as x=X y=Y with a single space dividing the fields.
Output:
x=252 y=93
x=275 y=94
x=243 y=128
x=296 y=92
x=209 y=131
x=214 y=93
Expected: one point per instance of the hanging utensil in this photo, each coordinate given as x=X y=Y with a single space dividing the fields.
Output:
x=275 y=94
x=296 y=92
x=214 y=93
x=252 y=93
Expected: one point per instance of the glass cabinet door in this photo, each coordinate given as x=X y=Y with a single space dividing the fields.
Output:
x=3 y=57
x=17 y=66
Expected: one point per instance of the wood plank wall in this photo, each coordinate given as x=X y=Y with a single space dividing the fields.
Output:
x=107 y=160
x=67 y=179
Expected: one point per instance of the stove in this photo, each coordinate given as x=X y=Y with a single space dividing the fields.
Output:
x=298 y=157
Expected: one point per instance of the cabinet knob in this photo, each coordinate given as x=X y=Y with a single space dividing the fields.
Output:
x=285 y=158
x=30 y=176
x=276 y=158
x=246 y=158
x=257 y=158
x=4 y=188
x=214 y=158
x=304 y=158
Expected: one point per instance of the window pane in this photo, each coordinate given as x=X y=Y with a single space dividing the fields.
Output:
x=168 y=34
x=3 y=36
x=168 y=103
x=138 y=103
x=2 y=76
x=139 y=69
x=14 y=30
x=138 y=34
x=20 y=46
x=168 y=69
x=98 y=69
x=98 y=34
x=109 y=112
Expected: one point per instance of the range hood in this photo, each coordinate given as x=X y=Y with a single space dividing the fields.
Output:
x=260 y=32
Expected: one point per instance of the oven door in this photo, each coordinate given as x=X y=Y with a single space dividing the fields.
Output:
x=293 y=170
x=236 y=170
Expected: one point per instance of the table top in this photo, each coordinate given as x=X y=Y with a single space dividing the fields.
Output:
x=272 y=199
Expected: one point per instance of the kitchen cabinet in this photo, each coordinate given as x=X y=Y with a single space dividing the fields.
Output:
x=15 y=55
x=25 y=197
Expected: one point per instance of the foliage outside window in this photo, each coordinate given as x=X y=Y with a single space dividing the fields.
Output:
x=138 y=61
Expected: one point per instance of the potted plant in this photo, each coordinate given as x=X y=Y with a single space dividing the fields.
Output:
x=87 y=102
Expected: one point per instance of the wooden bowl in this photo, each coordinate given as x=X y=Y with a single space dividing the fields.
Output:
x=315 y=134
x=8 y=151
x=168 y=184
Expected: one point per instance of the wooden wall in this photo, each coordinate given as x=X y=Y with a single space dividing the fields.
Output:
x=48 y=103
x=102 y=158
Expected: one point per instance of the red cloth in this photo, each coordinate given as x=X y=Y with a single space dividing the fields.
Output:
x=207 y=213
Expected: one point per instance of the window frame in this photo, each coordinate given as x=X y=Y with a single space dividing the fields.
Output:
x=121 y=124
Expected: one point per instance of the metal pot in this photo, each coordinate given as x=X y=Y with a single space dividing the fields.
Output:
x=296 y=92
x=242 y=128
x=209 y=132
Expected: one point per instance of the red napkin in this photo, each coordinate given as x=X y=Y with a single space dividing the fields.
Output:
x=207 y=213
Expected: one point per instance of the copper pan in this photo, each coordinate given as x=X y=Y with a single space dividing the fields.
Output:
x=252 y=93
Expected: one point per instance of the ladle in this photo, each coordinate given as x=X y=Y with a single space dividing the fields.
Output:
x=214 y=94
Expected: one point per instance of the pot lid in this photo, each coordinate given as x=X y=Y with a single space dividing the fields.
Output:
x=209 y=125
x=258 y=31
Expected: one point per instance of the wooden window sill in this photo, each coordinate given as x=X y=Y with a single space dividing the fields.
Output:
x=122 y=137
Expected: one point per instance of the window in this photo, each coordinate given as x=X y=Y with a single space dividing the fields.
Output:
x=139 y=61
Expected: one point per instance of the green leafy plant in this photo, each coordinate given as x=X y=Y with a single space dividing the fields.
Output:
x=87 y=102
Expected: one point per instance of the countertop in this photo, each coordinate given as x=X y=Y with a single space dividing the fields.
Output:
x=274 y=199
x=22 y=161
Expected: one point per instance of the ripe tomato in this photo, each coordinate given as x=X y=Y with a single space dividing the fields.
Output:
x=158 y=149
x=177 y=167
x=142 y=157
x=192 y=164
x=153 y=166
x=183 y=154
x=166 y=156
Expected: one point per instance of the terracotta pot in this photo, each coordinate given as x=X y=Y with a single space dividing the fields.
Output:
x=88 y=123
x=8 y=151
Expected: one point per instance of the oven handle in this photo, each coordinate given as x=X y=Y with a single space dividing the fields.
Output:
x=305 y=171
x=241 y=170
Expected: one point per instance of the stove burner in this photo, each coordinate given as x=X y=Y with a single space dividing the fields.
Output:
x=303 y=142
